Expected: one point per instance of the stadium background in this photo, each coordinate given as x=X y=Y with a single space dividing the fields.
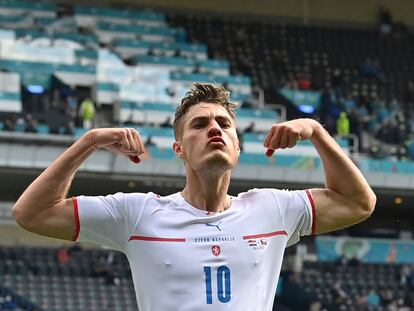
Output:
x=267 y=52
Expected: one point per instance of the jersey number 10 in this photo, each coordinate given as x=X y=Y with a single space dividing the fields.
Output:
x=223 y=284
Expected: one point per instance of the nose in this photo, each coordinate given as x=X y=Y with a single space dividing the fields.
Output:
x=214 y=130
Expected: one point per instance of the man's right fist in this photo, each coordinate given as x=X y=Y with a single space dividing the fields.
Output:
x=124 y=141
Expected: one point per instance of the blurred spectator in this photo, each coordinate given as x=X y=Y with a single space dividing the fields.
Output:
x=31 y=124
x=9 y=125
x=393 y=130
x=329 y=110
x=87 y=112
x=250 y=128
x=401 y=153
x=167 y=123
x=150 y=51
x=377 y=151
x=338 y=294
x=74 y=250
x=392 y=254
x=63 y=256
x=407 y=277
x=386 y=296
x=8 y=303
x=69 y=128
x=170 y=91
x=104 y=269
x=177 y=53
x=342 y=125
x=341 y=261
x=360 y=299
x=337 y=82
x=356 y=126
x=55 y=102
x=197 y=69
x=100 y=268
x=373 y=299
x=291 y=82
x=72 y=106
x=380 y=108
x=409 y=146
x=349 y=103
x=364 y=111
x=372 y=69
x=385 y=20
x=304 y=81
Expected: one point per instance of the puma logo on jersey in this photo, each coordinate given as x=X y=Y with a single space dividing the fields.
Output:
x=213 y=225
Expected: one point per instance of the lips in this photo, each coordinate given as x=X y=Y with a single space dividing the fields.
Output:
x=216 y=139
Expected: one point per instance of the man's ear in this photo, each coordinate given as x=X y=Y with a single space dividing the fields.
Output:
x=177 y=149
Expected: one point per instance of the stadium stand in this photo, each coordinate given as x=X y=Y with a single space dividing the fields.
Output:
x=359 y=71
x=68 y=279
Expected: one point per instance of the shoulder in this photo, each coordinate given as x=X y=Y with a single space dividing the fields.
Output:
x=271 y=195
x=150 y=198
x=143 y=198
x=137 y=195
x=256 y=197
x=263 y=192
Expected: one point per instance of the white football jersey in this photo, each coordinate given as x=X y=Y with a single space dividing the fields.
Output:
x=183 y=258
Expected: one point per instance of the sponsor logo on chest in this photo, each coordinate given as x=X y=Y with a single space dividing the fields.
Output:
x=257 y=244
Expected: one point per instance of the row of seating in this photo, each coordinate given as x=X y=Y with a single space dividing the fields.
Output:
x=83 y=280
x=323 y=278
x=271 y=47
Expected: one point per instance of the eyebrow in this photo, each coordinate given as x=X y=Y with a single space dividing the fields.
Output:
x=204 y=118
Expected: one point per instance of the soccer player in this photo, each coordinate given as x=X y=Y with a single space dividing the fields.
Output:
x=200 y=248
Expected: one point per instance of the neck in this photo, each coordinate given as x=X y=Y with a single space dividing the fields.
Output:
x=208 y=193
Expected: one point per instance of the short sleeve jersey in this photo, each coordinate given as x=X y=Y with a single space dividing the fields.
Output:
x=183 y=258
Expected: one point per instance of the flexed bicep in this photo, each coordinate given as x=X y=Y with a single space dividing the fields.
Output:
x=334 y=211
x=58 y=221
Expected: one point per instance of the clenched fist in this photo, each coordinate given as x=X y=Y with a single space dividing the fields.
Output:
x=124 y=141
x=287 y=134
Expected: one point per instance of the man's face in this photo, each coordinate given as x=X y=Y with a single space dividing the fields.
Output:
x=209 y=139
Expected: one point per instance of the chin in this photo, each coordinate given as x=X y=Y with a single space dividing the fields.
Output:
x=218 y=161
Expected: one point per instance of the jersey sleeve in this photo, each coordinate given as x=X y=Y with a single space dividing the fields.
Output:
x=108 y=220
x=297 y=212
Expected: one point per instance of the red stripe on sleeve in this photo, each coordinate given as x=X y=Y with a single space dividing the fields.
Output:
x=76 y=212
x=313 y=211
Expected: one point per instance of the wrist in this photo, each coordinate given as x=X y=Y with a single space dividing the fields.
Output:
x=88 y=140
x=317 y=130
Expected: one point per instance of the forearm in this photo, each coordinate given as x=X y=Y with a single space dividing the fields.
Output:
x=53 y=184
x=341 y=174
